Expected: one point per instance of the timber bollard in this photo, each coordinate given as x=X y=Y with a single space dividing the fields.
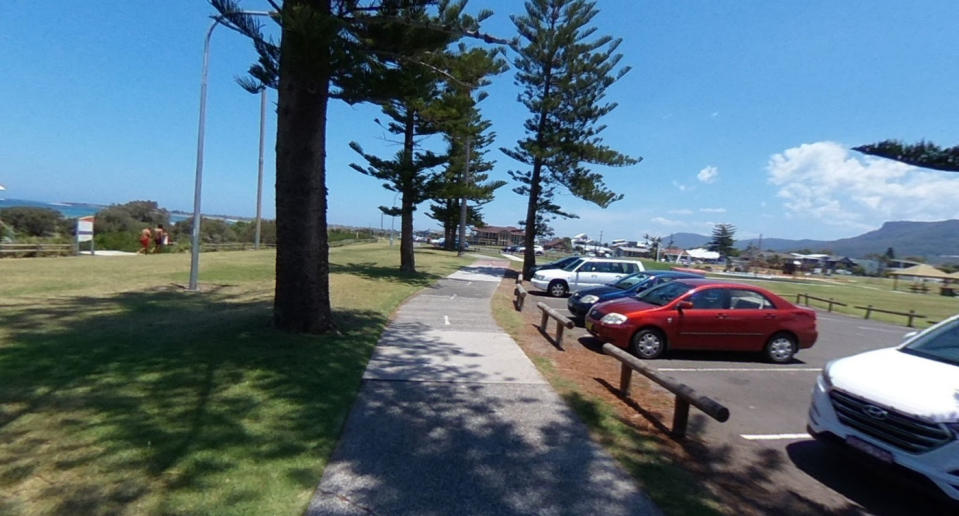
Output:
x=562 y=322
x=685 y=395
x=520 y=293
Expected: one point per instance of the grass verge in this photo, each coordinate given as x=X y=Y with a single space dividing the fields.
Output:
x=123 y=394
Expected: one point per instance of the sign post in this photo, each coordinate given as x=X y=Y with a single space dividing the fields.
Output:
x=85 y=233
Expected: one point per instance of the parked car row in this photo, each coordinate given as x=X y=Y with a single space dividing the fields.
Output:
x=651 y=313
x=898 y=407
x=538 y=250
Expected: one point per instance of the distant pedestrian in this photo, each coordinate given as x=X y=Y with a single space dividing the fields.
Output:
x=145 y=238
x=160 y=238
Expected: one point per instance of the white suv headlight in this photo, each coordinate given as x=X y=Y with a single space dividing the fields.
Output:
x=613 y=318
x=589 y=299
x=825 y=379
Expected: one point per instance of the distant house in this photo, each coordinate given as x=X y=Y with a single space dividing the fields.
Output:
x=632 y=251
x=557 y=244
x=498 y=236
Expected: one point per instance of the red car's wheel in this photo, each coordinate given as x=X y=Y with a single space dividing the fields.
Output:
x=781 y=348
x=648 y=344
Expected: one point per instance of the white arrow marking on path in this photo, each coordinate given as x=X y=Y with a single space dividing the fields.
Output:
x=446 y=319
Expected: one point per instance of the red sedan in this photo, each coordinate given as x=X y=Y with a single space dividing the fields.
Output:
x=705 y=314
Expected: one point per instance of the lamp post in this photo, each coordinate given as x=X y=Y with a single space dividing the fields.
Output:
x=201 y=129
x=463 y=207
x=259 y=168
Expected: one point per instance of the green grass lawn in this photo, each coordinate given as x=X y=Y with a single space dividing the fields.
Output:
x=121 y=393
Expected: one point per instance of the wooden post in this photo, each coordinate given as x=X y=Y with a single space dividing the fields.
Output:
x=912 y=313
x=542 y=324
x=798 y=298
x=680 y=417
x=519 y=278
x=625 y=378
x=868 y=311
x=559 y=334
x=831 y=301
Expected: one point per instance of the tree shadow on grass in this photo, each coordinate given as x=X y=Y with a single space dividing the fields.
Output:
x=167 y=401
x=373 y=271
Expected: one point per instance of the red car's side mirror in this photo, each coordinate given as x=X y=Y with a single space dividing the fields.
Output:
x=684 y=305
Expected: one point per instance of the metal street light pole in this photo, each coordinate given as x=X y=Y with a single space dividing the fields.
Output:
x=259 y=171
x=201 y=129
x=463 y=209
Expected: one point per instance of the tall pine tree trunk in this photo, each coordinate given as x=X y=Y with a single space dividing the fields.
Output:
x=529 y=240
x=302 y=300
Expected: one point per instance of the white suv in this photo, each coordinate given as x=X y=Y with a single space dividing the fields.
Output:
x=898 y=405
x=585 y=272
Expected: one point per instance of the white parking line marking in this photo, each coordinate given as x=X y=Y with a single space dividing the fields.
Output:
x=735 y=369
x=453 y=296
x=446 y=320
x=774 y=437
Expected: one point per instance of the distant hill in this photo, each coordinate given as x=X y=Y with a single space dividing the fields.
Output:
x=937 y=241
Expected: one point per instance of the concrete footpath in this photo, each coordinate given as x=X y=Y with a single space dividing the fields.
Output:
x=453 y=418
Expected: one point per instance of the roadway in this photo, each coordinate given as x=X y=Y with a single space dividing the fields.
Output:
x=765 y=440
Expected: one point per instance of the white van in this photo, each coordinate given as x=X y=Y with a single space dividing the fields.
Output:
x=585 y=272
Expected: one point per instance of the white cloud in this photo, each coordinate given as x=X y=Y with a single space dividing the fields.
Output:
x=715 y=114
x=680 y=186
x=713 y=210
x=827 y=182
x=680 y=212
x=708 y=174
x=662 y=221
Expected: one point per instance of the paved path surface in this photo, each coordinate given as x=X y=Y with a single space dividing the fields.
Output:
x=453 y=418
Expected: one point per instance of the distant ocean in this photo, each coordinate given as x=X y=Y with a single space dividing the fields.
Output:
x=70 y=209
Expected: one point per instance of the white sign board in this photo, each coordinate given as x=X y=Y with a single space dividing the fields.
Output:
x=84 y=229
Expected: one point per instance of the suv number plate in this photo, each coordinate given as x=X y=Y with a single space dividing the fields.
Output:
x=873 y=451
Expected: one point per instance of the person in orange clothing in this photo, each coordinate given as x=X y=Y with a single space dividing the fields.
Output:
x=145 y=237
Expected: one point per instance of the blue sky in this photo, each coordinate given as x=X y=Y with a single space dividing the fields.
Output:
x=743 y=111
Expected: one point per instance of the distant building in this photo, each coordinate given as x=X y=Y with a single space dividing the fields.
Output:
x=498 y=236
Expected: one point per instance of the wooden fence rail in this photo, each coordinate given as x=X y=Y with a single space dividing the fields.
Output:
x=562 y=322
x=685 y=395
x=829 y=301
x=36 y=249
x=909 y=315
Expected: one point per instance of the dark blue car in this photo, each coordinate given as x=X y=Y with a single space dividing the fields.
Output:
x=580 y=302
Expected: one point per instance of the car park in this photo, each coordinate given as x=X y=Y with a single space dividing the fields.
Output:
x=586 y=272
x=582 y=300
x=897 y=406
x=704 y=314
